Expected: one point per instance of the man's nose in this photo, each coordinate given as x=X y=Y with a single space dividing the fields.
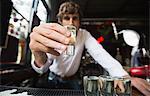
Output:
x=71 y=21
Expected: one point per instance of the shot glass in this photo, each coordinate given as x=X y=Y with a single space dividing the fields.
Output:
x=127 y=87
x=107 y=86
x=71 y=47
x=91 y=86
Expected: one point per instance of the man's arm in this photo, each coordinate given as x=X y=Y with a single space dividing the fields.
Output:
x=46 y=38
x=142 y=85
x=103 y=57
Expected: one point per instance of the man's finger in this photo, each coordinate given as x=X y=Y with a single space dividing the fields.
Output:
x=121 y=86
x=57 y=27
x=36 y=46
x=47 y=42
x=119 y=83
x=51 y=34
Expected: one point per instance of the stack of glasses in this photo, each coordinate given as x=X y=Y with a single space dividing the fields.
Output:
x=105 y=86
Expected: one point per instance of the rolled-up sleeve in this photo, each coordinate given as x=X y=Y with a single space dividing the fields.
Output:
x=42 y=69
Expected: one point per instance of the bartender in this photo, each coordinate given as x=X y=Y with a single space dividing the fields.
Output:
x=50 y=41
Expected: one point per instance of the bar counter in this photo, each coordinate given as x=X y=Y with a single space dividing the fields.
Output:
x=51 y=92
x=42 y=91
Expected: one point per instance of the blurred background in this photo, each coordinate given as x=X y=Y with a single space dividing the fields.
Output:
x=105 y=19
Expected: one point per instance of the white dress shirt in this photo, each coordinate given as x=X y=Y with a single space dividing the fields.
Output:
x=64 y=65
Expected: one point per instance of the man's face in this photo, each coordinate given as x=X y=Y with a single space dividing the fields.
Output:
x=71 y=19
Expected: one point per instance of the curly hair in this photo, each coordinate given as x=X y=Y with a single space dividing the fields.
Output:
x=68 y=8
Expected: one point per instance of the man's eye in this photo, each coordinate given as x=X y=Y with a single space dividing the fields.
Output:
x=67 y=18
x=75 y=18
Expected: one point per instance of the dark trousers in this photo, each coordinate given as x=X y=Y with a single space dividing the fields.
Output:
x=56 y=82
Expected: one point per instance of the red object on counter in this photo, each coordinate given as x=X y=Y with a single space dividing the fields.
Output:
x=140 y=71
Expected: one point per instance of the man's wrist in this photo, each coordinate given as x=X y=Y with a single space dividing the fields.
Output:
x=127 y=76
x=40 y=59
x=38 y=64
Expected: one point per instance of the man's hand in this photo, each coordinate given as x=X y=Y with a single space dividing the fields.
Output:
x=49 y=38
x=119 y=86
